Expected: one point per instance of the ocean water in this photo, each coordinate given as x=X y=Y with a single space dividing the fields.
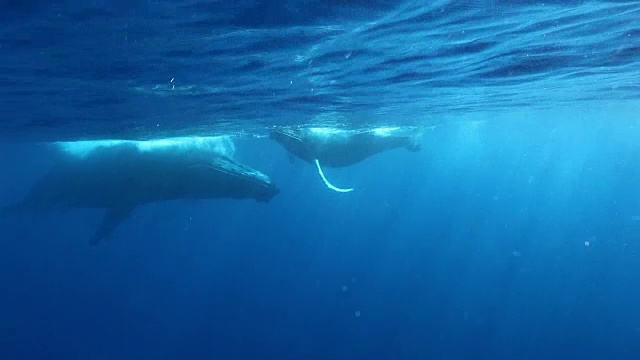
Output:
x=514 y=233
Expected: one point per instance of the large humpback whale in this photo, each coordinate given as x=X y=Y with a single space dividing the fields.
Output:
x=340 y=148
x=121 y=177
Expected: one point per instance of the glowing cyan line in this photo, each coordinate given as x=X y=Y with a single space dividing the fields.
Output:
x=326 y=182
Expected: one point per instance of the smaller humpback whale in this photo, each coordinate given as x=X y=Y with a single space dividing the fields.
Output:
x=341 y=148
x=121 y=177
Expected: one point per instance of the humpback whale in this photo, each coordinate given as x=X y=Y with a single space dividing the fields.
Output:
x=121 y=177
x=341 y=148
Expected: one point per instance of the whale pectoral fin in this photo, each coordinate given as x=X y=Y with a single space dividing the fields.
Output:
x=326 y=182
x=111 y=220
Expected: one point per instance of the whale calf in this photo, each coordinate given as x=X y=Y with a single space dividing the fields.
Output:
x=121 y=177
x=341 y=148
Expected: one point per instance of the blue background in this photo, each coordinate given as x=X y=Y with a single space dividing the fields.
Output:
x=513 y=234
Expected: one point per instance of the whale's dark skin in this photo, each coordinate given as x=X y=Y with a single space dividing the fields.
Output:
x=120 y=178
x=340 y=148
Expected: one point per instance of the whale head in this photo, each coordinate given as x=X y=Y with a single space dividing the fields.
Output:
x=293 y=142
x=266 y=193
x=222 y=177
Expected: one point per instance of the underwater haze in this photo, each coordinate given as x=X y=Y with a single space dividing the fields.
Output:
x=511 y=232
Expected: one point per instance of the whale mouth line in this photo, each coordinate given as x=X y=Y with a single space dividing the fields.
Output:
x=329 y=184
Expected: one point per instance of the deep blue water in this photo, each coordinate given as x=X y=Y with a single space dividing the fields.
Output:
x=513 y=234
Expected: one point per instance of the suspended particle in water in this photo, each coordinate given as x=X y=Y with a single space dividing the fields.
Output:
x=589 y=241
x=357 y=313
x=345 y=288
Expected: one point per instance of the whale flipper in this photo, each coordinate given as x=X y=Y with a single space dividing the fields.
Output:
x=329 y=184
x=111 y=220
